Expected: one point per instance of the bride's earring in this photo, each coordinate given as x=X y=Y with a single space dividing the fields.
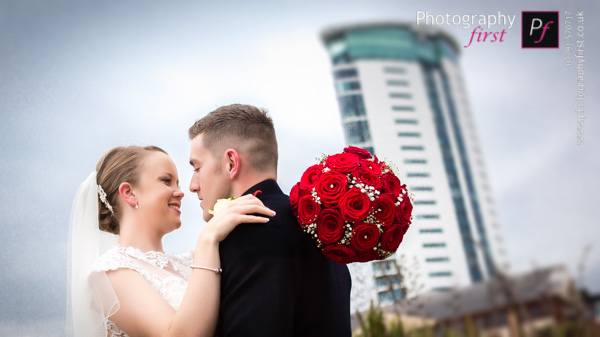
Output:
x=136 y=205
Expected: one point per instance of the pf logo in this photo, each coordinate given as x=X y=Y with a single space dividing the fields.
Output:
x=539 y=30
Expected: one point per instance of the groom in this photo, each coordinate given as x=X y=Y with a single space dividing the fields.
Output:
x=275 y=281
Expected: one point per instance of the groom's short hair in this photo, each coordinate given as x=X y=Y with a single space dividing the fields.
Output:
x=241 y=127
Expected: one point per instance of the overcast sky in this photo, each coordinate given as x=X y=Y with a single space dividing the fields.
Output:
x=78 y=78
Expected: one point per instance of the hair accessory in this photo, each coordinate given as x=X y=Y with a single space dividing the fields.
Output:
x=102 y=196
x=216 y=270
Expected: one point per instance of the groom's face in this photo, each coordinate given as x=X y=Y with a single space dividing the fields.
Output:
x=209 y=181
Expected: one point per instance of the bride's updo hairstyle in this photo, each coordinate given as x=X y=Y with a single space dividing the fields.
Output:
x=117 y=166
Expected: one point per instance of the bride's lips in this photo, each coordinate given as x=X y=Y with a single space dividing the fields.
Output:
x=176 y=206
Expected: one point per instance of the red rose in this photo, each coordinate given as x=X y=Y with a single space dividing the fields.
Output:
x=361 y=153
x=364 y=236
x=311 y=176
x=339 y=253
x=342 y=162
x=295 y=195
x=355 y=205
x=371 y=166
x=308 y=209
x=404 y=228
x=404 y=211
x=330 y=226
x=331 y=188
x=367 y=256
x=392 y=237
x=391 y=184
x=367 y=177
x=384 y=208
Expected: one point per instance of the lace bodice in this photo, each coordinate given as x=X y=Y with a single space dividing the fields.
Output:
x=167 y=273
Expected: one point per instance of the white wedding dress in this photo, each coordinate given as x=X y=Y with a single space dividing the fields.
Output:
x=167 y=273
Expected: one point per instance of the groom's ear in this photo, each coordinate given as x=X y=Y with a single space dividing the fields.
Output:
x=126 y=192
x=232 y=158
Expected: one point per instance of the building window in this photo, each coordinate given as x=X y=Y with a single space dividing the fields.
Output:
x=430 y=230
x=415 y=161
x=394 y=70
x=417 y=175
x=442 y=289
x=342 y=87
x=428 y=216
x=406 y=121
x=434 y=245
x=385 y=280
x=387 y=296
x=409 y=134
x=400 y=95
x=381 y=265
x=403 y=108
x=440 y=274
x=352 y=106
x=397 y=83
x=412 y=148
x=357 y=132
x=437 y=259
x=424 y=202
x=345 y=73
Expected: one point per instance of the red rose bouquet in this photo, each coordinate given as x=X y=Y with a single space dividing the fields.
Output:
x=353 y=205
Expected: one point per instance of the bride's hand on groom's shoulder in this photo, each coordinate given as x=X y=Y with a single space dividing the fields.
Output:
x=245 y=209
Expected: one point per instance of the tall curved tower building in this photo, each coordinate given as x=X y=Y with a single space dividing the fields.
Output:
x=402 y=97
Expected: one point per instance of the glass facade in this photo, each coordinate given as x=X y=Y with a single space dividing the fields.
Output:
x=357 y=132
x=451 y=171
x=352 y=106
x=394 y=42
x=342 y=87
x=387 y=296
x=345 y=73
x=464 y=160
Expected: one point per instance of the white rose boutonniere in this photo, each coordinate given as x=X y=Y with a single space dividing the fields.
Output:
x=219 y=205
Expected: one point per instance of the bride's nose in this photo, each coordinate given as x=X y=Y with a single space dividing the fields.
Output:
x=178 y=193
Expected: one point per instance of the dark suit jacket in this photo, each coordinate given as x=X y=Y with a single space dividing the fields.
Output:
x=276 y=282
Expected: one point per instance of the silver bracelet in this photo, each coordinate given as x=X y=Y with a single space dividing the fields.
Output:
x=216 y=270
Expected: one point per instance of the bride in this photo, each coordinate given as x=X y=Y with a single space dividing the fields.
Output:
x=133 y=287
